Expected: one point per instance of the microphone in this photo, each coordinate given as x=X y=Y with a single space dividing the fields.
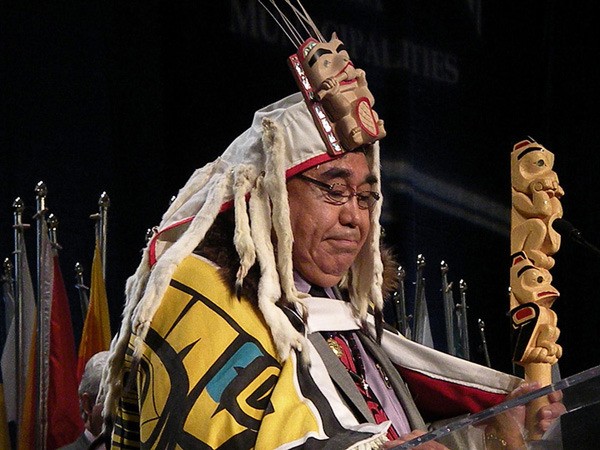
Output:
x=566 y=229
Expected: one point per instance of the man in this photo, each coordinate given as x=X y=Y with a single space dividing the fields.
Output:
x=255 y=317
x=247 y=324
x=91 y=410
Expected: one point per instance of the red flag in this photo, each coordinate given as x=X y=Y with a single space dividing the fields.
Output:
x=64 y=418
x=96 y=329
x=50 y=410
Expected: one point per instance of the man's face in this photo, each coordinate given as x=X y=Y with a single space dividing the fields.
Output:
x=327 y=237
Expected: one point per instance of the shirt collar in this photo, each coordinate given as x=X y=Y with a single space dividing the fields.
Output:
x=304 y=286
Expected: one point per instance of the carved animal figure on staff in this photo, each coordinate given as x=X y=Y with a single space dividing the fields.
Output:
x=343 y=91
x=534 y=329
x=536 y=195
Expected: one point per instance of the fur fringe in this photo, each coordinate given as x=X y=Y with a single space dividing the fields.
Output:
x=199 y=178
x=244 y=178
x=111 y=386
x=275 y=185
x=284 y=334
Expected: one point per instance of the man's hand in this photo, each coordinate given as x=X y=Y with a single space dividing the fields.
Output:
x=546 y=415
x=509 y=427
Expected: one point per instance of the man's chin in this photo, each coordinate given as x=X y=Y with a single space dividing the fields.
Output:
x=324 y=278
x=327 y=272
x=334 y=276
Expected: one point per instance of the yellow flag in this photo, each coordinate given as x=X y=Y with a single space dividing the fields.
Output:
x=96 y=328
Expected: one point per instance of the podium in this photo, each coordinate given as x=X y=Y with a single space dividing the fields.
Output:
x=577 y=429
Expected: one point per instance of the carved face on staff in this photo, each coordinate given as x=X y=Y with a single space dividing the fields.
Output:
x=530 y=283
x=532 y=169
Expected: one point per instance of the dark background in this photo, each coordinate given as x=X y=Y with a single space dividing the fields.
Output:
x=129 y=97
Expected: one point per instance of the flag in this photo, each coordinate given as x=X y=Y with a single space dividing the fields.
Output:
x=4 y=436
x=96 y=328
x=64 y=418
x=50 y=413
x=27 y=423
x=8 y=310
x=33 y=426
x=421 y=331
x=10 y=360
x=422 y=326
x=8 y=304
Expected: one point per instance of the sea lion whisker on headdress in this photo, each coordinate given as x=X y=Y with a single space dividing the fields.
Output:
x=286 y=25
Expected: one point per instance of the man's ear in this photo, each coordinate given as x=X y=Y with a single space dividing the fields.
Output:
x=87 y=402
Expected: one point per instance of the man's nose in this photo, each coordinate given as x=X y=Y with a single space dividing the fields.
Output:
x=350 y=212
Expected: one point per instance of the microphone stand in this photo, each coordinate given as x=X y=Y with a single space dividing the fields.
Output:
x=566 y=229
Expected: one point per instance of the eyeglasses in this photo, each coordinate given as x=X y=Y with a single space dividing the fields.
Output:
x=340 y=193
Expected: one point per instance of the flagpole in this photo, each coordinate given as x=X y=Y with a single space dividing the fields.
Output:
x=448 y=309
x=484 y=346
x=420 y=306
x=400 y=304
x=41 y=192
x=96 y=333
x=52 y=231
x=103 y=203
x=19 y=237
x=84 y=301
x=8 y=279
x=463 y=328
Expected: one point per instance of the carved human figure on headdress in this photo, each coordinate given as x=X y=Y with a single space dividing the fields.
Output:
x=534 y=327
x=536 y=195
x=343 y=91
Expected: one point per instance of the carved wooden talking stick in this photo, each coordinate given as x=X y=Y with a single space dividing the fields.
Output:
x=536 y=195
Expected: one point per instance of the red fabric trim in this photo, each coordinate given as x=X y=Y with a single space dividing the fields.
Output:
x=319 y=159
x=440 y=399
x=152 y=249
x=225 y=206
